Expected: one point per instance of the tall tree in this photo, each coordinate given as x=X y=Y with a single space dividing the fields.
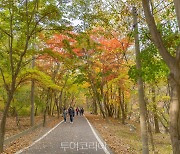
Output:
x=142 y=103
x=173 y=62
x=19 y=22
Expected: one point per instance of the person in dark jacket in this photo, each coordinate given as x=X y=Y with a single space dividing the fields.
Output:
x=71 y=114
x=77 y=111
x=82 y=111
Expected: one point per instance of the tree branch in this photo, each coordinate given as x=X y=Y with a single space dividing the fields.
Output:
x=177 y=9
x=32 y=32
x=5 y=32
x=156 y=37
x=34 y=11
x=4 y=80
x=11 y=40
x=26 y=45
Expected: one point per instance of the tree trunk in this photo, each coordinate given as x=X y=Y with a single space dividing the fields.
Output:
x=121 y=104
x=124 y=105
x=142 y=103
x=104 y=105
x=107 y=106
x=98 y=99
x=46 y=108
x=44 y=117
x=32 y=103
x=32 y=95
x=151 y=135
x=175 y=116
x=177 y=6
x=100 y=107
x=50 y=105
x=57 y=105
x=3 y=121
x=143 y=117
x=17 y=118
x=174 y=66
x=53 y=108
x=156 y=123
x=118 y=112
x=94 y=107
x=64 y=101
x=60 y=102
x=165 y=127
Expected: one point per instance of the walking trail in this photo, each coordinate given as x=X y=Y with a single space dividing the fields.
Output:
x=67 y=138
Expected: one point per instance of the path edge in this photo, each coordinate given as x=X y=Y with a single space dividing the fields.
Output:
x=20 y=151
x=106 y=149
x=12 y=138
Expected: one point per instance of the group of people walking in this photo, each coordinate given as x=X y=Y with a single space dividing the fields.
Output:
x=79 y=111
x=71 y=113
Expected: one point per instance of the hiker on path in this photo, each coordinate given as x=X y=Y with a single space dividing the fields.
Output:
x=64 y=114
x=77 y=111
x=71 y=114
x=81 y=111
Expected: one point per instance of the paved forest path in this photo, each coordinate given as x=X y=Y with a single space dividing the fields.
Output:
x=67 y=138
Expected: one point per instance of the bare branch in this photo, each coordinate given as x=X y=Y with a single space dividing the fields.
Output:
x=35 y=26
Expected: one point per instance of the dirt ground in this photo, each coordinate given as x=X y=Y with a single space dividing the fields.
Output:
x=12 y=128
x=123 y=140
x=26 y=140
x=106 y=129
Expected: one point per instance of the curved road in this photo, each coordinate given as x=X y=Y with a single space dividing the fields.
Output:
x=67 y=138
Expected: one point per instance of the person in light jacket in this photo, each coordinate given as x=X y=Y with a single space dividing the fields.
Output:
x=64 y=115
